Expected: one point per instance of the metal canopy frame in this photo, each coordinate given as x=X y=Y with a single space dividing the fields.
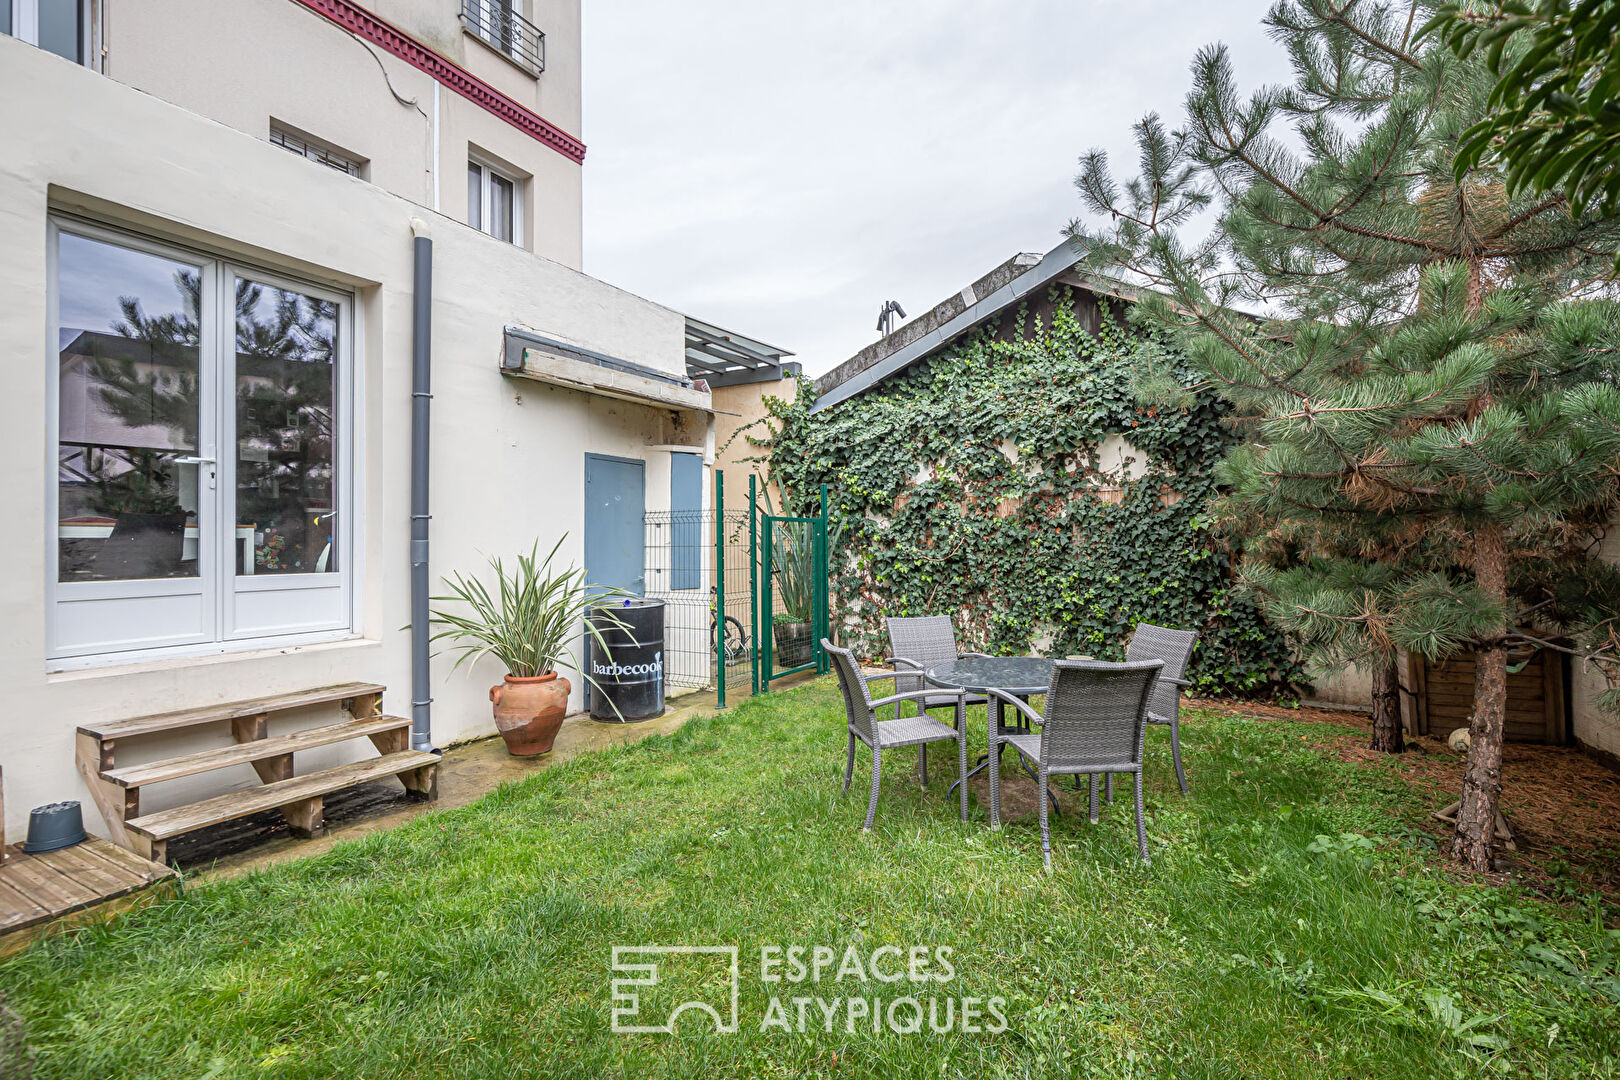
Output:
x=722 y=358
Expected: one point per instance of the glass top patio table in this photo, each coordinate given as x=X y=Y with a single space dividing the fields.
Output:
x=1020 y=676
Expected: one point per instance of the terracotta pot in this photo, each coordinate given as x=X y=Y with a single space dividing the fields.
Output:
x=528 y=712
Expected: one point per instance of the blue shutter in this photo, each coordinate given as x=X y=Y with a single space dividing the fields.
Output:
x=686 y=520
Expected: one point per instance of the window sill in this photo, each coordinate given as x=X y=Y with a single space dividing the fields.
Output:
x=73 y=669
x=524 y=66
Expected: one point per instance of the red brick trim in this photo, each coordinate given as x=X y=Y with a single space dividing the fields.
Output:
x=357 y=20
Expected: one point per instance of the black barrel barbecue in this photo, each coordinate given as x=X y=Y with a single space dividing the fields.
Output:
x=628 y=664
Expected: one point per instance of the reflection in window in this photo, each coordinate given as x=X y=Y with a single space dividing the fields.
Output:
x=492 y=202
x=128 y=413
x=286 y=366
x=61 y=28
x=54 y=25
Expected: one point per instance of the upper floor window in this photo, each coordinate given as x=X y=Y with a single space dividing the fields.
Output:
x=494 y=202
x=500 y=25
x=314 y=151
x=57 y=26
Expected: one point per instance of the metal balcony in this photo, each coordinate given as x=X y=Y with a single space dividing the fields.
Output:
x=495 y=24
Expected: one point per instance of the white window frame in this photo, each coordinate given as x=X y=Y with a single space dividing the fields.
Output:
x=222 y=587
x=485 y=203
x=25 y=25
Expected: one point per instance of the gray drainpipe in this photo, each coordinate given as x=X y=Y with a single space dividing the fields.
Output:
x=421 y=403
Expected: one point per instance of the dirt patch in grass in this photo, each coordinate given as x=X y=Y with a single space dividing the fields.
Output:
x=1563 y=807
x=1020 y=796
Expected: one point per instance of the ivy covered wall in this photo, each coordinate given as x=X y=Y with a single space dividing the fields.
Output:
x=984 y=484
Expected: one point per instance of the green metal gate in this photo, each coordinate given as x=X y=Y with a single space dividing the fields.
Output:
x=793 y=594
x=787 y=600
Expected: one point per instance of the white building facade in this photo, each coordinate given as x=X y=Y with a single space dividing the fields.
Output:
x=210 y=216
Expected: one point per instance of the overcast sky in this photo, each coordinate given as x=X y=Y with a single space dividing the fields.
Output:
x=783 y=168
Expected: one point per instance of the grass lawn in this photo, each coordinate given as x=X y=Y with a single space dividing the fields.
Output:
x=1294 y=923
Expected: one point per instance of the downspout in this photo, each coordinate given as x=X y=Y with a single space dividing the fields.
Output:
x=421 y=402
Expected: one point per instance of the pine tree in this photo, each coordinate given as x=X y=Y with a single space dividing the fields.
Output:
x=1554 y=121
x=1429 y=384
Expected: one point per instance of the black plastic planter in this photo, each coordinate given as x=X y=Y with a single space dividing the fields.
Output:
x=53 y=827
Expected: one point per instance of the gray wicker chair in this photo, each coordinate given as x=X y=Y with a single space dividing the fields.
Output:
x=1095 y=718
x=918 y=643
x=1174 y=647
x=880 y=735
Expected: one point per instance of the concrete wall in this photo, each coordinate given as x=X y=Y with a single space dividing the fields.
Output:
x=736 y=408
x=508 y=455
x=1596 y=729
x=247 y=62
x=1349 y=686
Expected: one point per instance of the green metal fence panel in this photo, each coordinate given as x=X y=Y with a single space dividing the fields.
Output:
x=719 y=631
x=793 y=595
x=766 y=606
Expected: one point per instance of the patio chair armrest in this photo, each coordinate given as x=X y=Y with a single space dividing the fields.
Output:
x=896 y=661
x=880 y=676
x=918 y=695
x=981 y=655
x=1177 y=682
x=1007 y=699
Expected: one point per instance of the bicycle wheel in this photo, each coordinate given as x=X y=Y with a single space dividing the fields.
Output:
x=736 y=641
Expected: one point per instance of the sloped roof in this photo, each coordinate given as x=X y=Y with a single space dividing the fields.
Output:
x=1004 y=287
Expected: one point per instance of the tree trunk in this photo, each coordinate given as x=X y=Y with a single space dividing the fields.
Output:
x=1474 y=842
x=1476 y=286
x=1387 y=735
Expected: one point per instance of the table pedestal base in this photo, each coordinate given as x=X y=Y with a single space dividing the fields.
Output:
x=994 y=710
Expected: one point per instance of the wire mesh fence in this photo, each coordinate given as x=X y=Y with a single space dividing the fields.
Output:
x=701 y=641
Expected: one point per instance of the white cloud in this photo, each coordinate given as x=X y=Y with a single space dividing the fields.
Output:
x=782 y=169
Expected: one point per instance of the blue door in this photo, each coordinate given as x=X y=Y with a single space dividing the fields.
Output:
x=615 y=506
x=615 y=540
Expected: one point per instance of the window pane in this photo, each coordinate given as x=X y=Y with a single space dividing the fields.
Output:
x=500 y=198
x=60 y=31
x=475 y=196
x=128 y=408
x=286 y=492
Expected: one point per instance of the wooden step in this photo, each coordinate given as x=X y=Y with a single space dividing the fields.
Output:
x=183 y=819
x=134 y=776
x=227 y=710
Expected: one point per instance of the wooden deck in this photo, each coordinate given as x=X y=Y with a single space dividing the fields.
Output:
x=87 y=882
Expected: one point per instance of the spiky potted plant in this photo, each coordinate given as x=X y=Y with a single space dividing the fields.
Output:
x=794 y=565
x=525 y=623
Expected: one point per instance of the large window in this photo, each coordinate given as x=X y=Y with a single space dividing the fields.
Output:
x=57 y=26
x=494 y=202
x=201 y=430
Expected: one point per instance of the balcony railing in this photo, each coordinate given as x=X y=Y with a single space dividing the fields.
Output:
x=495 y=24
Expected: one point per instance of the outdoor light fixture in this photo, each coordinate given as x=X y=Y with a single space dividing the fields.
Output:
x=886 y=315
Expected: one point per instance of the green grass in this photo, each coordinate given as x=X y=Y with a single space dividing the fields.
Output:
x=475 y=942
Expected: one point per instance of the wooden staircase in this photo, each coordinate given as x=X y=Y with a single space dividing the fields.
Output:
x=116 y=788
